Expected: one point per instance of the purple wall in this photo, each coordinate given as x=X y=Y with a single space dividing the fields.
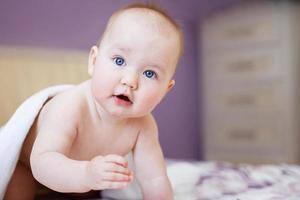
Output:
x=78 y=24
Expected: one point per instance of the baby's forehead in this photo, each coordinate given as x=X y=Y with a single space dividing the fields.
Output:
x=141 y=13
x=147 y=20
x=144 y=17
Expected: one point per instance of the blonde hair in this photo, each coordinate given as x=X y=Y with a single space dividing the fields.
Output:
x=151 y=7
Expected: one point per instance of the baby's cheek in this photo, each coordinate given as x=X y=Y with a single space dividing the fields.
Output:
x=150 y=100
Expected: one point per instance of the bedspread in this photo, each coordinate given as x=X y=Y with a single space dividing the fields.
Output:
x=227 y=181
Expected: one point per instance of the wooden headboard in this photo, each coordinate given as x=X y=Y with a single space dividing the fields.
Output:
x=26 y=70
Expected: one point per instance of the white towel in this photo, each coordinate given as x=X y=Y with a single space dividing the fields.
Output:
x=14 y=132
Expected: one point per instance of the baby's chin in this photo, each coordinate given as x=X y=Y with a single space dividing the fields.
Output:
x=131 y=115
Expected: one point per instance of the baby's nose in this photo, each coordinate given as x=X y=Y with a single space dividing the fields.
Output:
x=130 y=79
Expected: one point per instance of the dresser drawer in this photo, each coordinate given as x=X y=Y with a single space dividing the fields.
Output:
x=257 y=63
x=235 y=97
x=246 y=131
x=236 y=28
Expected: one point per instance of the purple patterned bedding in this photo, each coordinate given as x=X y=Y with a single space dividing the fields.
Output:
x=227 y=181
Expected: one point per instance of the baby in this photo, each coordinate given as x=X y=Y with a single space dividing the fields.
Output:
x=79 y=139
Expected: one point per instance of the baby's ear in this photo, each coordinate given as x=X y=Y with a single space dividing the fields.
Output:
x=171 y=84
x=92 y=59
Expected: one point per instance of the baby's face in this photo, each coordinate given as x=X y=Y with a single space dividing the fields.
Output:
x=133 y=67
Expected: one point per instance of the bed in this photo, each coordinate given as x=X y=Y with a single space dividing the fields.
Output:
x=222 y=180
x=215 y=180
x=26 y=70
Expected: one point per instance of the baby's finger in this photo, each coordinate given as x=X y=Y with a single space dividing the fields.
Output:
x=113 y=167
x=116 y=159
x=117 y=177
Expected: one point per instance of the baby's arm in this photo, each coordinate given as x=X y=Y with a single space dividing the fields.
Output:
x=150 y=164
x=51 y=166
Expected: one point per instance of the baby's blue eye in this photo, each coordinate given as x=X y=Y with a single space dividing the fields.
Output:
x=119 y=61
x=150 y=74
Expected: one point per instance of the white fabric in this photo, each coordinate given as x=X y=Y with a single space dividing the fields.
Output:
x=183 y=177
x=14 y=132
x=132 y=192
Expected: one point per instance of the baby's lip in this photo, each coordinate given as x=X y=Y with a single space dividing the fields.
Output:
x=124 y=97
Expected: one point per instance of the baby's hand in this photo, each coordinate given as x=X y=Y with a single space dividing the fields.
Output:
x=108 y=172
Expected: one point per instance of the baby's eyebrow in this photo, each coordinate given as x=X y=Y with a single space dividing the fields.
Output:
x=125 y=49
x=122 y=49
x=157 y=66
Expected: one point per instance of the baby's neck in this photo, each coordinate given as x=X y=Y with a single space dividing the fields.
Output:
x=107 y=119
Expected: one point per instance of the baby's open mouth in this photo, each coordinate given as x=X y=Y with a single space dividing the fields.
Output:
x=123 y=97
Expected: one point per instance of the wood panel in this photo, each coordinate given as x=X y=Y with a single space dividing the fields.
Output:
x=24 y=71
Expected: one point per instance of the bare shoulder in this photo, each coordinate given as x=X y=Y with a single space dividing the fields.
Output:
x=61 y=114
x=68 y=104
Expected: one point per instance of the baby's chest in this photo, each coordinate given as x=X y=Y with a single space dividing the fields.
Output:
x=87 y=145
